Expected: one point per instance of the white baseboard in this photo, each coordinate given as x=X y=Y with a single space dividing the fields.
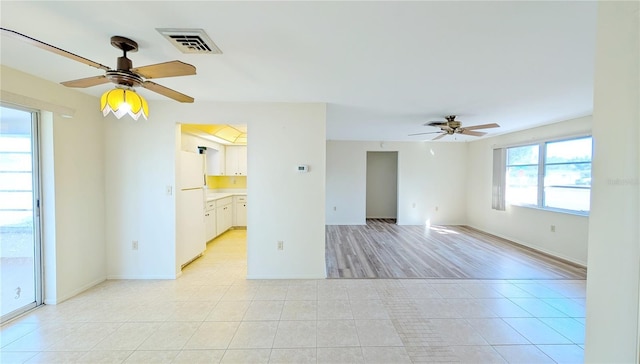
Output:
x=134 y=276
x=75 y=292
x=534 y=247
x=258 y=276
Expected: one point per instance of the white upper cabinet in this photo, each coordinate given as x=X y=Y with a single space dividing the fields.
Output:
x=215 y=162
x=236 y=161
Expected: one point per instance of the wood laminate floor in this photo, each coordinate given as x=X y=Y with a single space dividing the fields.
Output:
x=382 y=249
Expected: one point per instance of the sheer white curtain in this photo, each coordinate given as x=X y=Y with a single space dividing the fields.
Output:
x=498 y=184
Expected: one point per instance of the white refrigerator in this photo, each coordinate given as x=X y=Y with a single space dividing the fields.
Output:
x=190 y=200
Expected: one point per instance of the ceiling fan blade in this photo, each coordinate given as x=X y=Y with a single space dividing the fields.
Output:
x=86 y=82
x=54 y=49
x=483 y=126
x=431 y=132
x=466 y=131
x=439 y=136
x=166 y=69
x=436 y=123
x=165 y=91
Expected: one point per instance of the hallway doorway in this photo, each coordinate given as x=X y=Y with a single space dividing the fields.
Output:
x=382 y=185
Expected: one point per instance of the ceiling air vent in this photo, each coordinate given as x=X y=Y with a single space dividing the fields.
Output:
x=190 y=40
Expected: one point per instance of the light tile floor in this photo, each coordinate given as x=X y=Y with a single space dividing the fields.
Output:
x=212 y=314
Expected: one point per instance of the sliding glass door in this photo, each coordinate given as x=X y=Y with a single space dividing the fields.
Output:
x=20 y=248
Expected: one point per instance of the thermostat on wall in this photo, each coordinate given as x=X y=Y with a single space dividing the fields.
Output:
x=303 y=168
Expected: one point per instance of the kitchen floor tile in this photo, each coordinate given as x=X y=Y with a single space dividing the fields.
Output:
x=332 y=293
x=271 y=293
x=567 y=327
x=377 y=333
x=369 y=309
x=523 y=354
x=128 y=336
x=477 y=354
x=105 y=356
x=334 y=310
x=537 y=307
x=212 y=335
x=299 y=310
x=47 y=357
x=244 y=356
x=295 y=334
x=293 y=356
x=451 y=290
x=302 y=292
x=536 y=331
x=455 y=332
x=263 y=310
x=385 y=355
x=254 y=335
x=497 y=332
x=170 y=336
x=152 y=356
x=337 y=333
x=16 y=357
x=340 y=355
x=198 y=356
x=564 y=354
x=228 y=311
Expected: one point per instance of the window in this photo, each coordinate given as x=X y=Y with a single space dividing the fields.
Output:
x=552 y=174
x=567 y=175
x=522 y=175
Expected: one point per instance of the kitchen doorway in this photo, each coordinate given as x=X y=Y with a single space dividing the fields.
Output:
x=20 y=247
x=382 y=186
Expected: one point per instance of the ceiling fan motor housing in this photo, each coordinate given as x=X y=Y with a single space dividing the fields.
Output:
x=123 y=75
x=124 y=78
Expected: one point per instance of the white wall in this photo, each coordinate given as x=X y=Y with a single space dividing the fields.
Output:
x=526 y=226
x=382 y=185
x=430 y=175
x=73 y=182
x=613 y=279
x=284 y=205
x=140 y=165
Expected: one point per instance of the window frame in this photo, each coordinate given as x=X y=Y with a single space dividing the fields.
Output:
x=542 y=168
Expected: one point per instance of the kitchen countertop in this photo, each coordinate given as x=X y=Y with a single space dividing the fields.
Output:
x=212 y=196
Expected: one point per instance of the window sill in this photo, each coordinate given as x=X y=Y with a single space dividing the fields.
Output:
x=551 y=209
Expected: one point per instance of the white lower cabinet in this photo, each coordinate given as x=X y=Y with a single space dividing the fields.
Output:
x=240 y=211
x=210 y=220
x=224 y=215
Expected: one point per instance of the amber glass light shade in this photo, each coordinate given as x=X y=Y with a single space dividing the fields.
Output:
x=121 y=102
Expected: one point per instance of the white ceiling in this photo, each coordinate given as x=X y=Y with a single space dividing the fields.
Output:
x=383 y=68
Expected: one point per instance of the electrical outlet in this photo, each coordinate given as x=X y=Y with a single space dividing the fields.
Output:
x=553 y=228
x=334 y=208
x=134 y=245
x=280 y=245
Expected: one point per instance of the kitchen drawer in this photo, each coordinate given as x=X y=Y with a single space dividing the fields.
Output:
x=224 y=201
x=210 y=205
x=241 y=199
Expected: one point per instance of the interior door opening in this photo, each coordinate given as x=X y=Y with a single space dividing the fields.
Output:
x=382 y=186
x=20 y=249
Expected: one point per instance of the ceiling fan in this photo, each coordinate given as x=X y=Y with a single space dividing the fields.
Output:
x=124 y=75
x=452 y=126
